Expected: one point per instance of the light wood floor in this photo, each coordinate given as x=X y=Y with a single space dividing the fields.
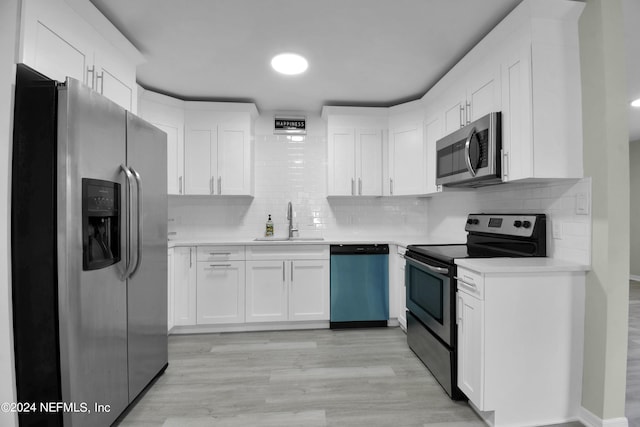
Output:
x=633 y=357
x=365 y=377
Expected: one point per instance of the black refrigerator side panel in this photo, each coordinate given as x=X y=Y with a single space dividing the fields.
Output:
x=33 y=246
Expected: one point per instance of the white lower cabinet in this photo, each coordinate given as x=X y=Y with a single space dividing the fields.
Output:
x=266 y=298
x=470 y=354
x=184 y=286
x=220 y=292
x=520 y=341
x=401 y=290
x=170 y=287
x=282 y=290
x=309 y=290
x=239 y=287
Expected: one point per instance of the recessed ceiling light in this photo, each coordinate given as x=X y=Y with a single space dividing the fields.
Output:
x=289 y=63
x=636 y=103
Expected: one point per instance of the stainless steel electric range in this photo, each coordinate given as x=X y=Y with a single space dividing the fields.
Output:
x=430 y=280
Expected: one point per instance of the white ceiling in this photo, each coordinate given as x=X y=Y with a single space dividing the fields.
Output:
x=360 y=52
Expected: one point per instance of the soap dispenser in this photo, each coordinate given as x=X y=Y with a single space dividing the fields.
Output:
x=269 y=228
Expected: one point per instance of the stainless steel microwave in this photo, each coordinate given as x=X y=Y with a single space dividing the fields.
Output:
x=470 y=156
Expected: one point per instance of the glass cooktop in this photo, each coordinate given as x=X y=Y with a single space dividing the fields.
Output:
x=448 y=253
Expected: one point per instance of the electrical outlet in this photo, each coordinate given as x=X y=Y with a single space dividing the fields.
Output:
x=557 y=230
x=582 y=204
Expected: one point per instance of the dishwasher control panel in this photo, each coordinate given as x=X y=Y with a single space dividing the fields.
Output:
x=368 y=249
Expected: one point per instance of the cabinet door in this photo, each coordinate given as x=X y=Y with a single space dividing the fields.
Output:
x=55 y=40
x=408 y=161
x=233 y=161
x=517 y=143
x=266 y=291
x=433 y=132
x=483 y=93
x=170 y=289
x=184 y=286
x=220 y=292
x=401 y=295
x=369 y=162
x=454 y=112
x=57 y=57
x=167 y=114
x=199 y=150
x=309 y=294
x=341 y=162
x=470 y=348
x=114 y=88
x=175 y=153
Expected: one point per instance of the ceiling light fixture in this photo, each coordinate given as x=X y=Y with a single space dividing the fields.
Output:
x=636 y=103
x=289 y=63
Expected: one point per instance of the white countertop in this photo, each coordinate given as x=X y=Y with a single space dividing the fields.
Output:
x=400 y=241
x=519 y=265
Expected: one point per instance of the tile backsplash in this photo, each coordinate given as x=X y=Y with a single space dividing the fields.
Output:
x=568 y=230
x=288 y=170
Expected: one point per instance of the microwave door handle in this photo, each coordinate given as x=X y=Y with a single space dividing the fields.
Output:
x=467 y=152
x=439 y=270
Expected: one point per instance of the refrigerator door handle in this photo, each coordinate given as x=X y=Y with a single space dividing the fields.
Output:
x=130 y=179
x=139 y=214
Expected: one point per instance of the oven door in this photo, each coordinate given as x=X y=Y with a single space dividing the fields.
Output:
x=429 y=296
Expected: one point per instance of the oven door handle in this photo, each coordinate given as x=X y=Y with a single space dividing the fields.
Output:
x=439 y=270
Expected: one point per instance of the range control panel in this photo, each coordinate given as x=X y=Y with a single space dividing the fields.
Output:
x=524 y=225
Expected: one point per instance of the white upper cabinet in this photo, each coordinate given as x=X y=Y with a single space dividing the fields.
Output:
x=407 y=150
x=209 y=144
x=541 y=94
x=167 y=114
x=59 y=39
x=218 y=148
x=369 y=162
x=355 y=150
x=342 y=161
x=476 y=94
x=528 y=68
x=433 y=130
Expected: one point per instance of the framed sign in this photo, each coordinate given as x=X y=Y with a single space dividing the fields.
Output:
x=289 y=125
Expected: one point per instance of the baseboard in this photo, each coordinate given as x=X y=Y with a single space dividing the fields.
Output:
x=249 y=327
x=634 y=278
x=590 y=420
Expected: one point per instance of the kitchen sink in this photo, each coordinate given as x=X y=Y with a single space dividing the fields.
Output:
x=287 y=239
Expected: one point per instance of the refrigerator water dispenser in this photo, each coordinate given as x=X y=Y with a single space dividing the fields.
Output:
x=100 y=223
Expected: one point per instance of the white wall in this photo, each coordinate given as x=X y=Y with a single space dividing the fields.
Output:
x=634 y=172
x=285 y=171
x=606 y=160
x=8 y=37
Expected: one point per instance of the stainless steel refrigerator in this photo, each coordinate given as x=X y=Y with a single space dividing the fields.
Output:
x=89 y=260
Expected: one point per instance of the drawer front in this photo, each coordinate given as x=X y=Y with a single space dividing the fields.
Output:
x=221 y=253
x=471 y=282
x=293 y=252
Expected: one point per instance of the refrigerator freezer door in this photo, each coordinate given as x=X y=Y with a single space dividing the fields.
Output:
x=92 y=304
x=147 y=287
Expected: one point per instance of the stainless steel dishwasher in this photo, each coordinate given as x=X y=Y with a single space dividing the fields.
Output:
x=359 y=286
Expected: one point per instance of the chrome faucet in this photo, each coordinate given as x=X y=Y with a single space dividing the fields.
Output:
x=290 y=218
